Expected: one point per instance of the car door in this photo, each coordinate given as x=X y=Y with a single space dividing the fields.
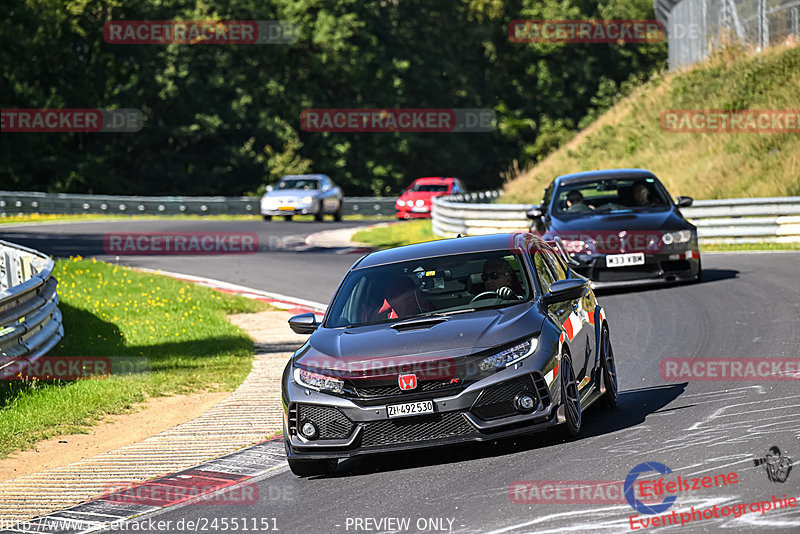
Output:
x=568 y=315
x=584 y=342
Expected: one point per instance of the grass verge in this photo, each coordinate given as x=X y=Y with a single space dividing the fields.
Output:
x=397 y=234
x=702 y=165
x=177 y=331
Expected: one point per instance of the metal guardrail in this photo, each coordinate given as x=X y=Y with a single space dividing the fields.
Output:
x=30 y=321
x=15 y=202
x=739 y=220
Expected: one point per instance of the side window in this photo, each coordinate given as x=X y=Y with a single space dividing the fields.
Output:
x=551 y=257
x=543 y=271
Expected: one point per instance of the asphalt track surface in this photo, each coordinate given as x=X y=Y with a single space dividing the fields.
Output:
x=747 y=306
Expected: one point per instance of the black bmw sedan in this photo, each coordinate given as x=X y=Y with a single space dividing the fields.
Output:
x=621 y=226
x=465 y=339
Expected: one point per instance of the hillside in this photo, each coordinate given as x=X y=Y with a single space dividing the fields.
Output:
x=702 y=165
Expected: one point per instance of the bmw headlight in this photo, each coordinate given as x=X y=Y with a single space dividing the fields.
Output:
x=317 y=381
x=506 y=357
x=307 y=200
x=682 y=236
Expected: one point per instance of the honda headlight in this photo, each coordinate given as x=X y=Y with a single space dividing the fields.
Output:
x=682 y=236
x=317 y=381
x=307 y=200
x=401 y=202
x=506 y=357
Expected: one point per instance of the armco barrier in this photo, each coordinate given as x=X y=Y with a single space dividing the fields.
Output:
x=30 y=321
x=738 y=220
x=15 y=202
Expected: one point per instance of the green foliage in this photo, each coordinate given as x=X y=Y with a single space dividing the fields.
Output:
x=225 y=119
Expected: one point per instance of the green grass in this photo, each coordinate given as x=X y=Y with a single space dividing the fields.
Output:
x=702 y=165
x=29 y=218
x=749 y=246
x=176 y=331
x=396 y=234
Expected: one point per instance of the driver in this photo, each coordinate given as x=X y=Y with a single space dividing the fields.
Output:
x=498 y=276
x=575 y=202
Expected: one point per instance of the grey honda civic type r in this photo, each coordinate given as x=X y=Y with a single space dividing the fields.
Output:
x=458 y=340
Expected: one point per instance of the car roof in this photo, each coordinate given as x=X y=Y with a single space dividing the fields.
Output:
x=591 y=176
x=304 y=176
x=446 y=247
x=433 y=179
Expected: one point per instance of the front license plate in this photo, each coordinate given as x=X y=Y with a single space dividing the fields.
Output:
x=410 y=408
x=419 y=210
x=286 y=208
x=623 y=260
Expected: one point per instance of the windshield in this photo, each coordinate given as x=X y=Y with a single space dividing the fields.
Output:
x=445 y=284
x=611 y=195
x=298 y=184
x=435 y=188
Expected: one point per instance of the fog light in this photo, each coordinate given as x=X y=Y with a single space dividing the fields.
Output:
x=524 y=403
x=308 y=430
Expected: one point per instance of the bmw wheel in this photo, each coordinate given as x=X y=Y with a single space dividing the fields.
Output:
x=570 y=396
x=267 y=217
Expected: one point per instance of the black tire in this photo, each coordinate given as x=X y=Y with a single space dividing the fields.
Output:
x=310 y=468
x=288 y=217
x=570 y=397
x=267 y=217
x=337 y=216
x=319 y=215
x=609 y=370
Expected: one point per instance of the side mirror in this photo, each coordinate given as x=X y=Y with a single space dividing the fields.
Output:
x=562 y=290
x=305 y=323
x=684 y=202
x=534 y=213
x=269 y=189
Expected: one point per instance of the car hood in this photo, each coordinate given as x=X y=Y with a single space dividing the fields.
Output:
x=383 y=350
x=667 y=220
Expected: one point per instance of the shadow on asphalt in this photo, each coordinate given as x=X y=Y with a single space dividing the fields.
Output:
x=632 y=409
x=709 y=276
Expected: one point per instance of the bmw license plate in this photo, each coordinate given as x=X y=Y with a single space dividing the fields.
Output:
x=409 y=408
x=623 y=260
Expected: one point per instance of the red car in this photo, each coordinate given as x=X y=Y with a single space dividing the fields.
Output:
x=416 y=200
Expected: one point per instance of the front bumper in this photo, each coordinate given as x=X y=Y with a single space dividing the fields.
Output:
x=293 y=209
x=409 y=214
x=481 y=411
x=664 y=267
